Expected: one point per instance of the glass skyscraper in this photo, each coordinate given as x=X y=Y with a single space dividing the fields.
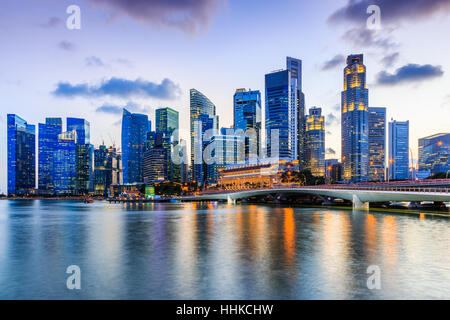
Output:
x=48 y=140
x=315 y=142
x=157 y=164
x=247 y=116
x=202 y=117
x=355 y=121
x=64 y=164
x=167 y=122
x=21 y=155
x=434 y=154
x=398 y=150
x=377 y=144
x=285 y=111
x=82 y=127
x=134 y=135
x=107 y=166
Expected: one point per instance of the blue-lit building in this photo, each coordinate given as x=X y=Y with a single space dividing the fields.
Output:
x=21 y=155
x=315 y=142
x=285 y=112
x=107 y=169
x=134 y=134
x=434 y=154
x=377 y=144
x=167 y=122
x=202 y=118
x=398 y=150
x=48 y=140
x=355 y=121
x=247 y=118
x=82 y=127
x=156 y=164
x=64 y=164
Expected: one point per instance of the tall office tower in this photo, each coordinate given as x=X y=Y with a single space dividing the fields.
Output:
x=184 y=168
x=398 y=150
x=377 y=144
x=167 y=122
x=202 y=117
x=285 y=111
x=247 y=116
x=315 y=142
x=21 y=155
x=82 y=127
x=225 y=149
x=106 y=172
x=156 y=167
x=84 y=154
x=134 y=135
x=64 y=164
x=48 y=139
x=434 y=154
x=355 y=121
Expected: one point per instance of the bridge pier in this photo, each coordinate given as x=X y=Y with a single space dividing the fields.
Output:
x=358 y=204
x=231 y=200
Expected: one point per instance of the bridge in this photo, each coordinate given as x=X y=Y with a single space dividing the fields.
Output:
x=360 y=194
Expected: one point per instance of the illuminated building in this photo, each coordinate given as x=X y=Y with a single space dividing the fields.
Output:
x=285 y=112
x=167 y=123
x=355 y=121
x=377 y=144
x=48 y=139
x=247 y=116
x=134 y=133
x=202 y=118
x=157 y=158
x=245 y=176
x=315 y=142
x=64 y=164
x=434 y=153
x=107 y=169
x=398 y=150
x=21 y=155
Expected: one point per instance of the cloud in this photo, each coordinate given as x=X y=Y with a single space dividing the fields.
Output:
x=66 y=45
x=392 y=11
x=409 y=73
x=330 y=151
x=185 y=15
x=331 y=120
x=364 y=37
x=52 y=22
x=93 y=61
x=118 y=109
x=334 y=62
x=390 y=59
x=119 y=87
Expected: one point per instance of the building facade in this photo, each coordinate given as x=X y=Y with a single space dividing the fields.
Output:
x=21 y=155
x=355 y=121
x=285 y=115
x=377 y=144
x=134 y=134
x=107 y=169
x=202 y=118
x=247 y=118
x=315 y=142
x=64 y=164
x=398 y=150
x=157 y=162
x=48 y=140
x=434 y=154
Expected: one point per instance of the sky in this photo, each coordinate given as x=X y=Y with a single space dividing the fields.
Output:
x=146 y=54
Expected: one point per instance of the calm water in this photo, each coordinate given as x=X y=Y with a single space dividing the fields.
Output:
x=216 y=251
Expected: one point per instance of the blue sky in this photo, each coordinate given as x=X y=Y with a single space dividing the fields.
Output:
x=150 y=53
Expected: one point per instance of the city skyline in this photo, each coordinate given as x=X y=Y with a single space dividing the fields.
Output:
x=72 y=61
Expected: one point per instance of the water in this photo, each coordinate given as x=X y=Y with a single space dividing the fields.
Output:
x=217 y=251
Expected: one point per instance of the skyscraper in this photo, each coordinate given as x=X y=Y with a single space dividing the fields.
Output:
x=64 y=164
x=134 y=135
x=167 y=122
x=355 y=121
x=285 y=111
x=106 y=169
x=247 y=116
x=82 y=127
x=202 y=117
x=434 y=154
x=377 y=144
x=48 y=139
x=21 y=155
x=315 y=142
x=398 y=150
x=156 y=166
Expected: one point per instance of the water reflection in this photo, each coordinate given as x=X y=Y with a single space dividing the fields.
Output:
x=217 y=251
